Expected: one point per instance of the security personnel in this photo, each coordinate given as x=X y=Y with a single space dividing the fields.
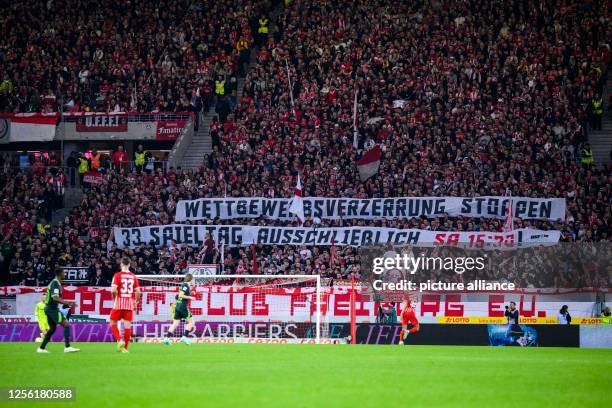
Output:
x=219 y=88
x=43 y=227
x=586 y=155
x=596 y=112
x=6 y=86
x=263 y=29
x=95 y=160
x=83 y=166
x=139 y=159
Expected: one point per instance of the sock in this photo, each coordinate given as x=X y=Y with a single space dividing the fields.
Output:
x=169 y=334
x=116 y=333
x=402 y=335
x=186 y=333
x=127 y=335
x=67 y=336
x=47 y=337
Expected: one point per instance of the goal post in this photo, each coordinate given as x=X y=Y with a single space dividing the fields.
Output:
x=288 y=307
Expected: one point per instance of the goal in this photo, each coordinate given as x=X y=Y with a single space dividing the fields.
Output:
x=240 y=308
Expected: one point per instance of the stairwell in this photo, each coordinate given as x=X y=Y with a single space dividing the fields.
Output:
x=72 y=198
x=201 y=142
x=601 y=140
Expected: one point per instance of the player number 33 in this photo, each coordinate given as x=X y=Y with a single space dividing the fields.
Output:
x=127 y=286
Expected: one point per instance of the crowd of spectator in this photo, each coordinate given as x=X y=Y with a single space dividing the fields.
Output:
x=465 y=98
x=121 y=56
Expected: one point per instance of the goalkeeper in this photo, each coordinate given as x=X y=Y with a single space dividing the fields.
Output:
x=182 y=312
x=41 y=318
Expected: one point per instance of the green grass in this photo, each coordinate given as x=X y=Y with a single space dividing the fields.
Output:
x=243 y=375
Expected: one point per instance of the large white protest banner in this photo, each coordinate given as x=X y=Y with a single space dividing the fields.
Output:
x=540 y=306
x=371 y=208
x=235 y=235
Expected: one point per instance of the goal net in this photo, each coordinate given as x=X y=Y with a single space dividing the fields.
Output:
x=240 y=308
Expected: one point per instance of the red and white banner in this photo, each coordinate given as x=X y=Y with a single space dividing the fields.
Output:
x=297 y=304
x=297 y=204
x=115 y=122
x=370 y=162
x=170 y=130
x=38 y=127
x=93 y=177
x=27 y=127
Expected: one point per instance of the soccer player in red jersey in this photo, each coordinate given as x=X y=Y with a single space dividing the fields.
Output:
x=410 y=324
x=126 y=293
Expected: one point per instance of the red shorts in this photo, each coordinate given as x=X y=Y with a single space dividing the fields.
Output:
x=116 y=315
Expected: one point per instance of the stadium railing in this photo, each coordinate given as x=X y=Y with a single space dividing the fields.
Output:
x=131 y=116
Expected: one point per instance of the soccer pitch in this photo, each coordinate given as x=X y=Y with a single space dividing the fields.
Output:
x=267 y=375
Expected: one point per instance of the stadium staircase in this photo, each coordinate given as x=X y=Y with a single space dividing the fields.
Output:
x=72 y=198
x=601 y=141
x=201 y=142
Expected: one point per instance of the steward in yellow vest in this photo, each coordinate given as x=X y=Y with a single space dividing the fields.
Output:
x=43 y=227
x=220 y=87
x=596 y=112
x=597 y=104
x=83 y=165
x=586 y=155
x=263 y=25
x=139 y=159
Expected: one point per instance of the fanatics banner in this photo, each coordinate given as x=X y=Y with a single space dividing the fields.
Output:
x=371 y=208
x=236 y=235
x=169 y=130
